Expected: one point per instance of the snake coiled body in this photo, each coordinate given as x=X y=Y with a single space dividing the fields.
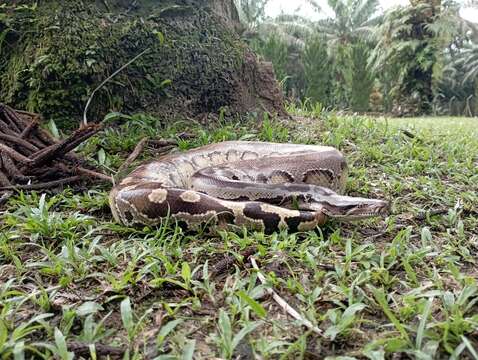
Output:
x=262 y=186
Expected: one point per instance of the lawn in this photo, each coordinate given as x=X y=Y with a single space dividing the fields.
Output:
x=71 y=280
x=439 y=125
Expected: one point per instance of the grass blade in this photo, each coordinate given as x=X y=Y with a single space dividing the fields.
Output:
x=188 y=351
x=382 y=301
x=423 y=322
x=470 y=347
x=255 y=306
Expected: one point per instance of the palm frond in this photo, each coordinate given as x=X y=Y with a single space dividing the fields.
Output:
x=315 y=5
x=251 y=12
x=364 y=11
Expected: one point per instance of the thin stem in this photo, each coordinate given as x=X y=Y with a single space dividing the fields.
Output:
x=85 y=121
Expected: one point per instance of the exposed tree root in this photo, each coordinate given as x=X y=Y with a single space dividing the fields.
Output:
x=31 y=159
x=133 y=156
x=82 y=349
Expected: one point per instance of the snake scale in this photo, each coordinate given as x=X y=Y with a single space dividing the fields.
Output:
x=262 y=186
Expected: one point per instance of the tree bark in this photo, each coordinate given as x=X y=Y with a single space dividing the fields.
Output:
x=55 y=54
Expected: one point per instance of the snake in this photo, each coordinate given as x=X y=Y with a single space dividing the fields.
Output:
x=261 y=186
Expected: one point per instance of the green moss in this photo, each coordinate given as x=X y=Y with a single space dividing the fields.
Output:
x=61 y=50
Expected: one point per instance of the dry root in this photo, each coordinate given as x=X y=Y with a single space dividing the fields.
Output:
x=31 y=159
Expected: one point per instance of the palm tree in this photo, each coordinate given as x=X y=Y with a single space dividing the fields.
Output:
x=469 y=59
x=352 y=20
x=458 y=86
x=416 y=46
x=344 y=39
x=317 y=71
x=348 y=33
x=251 y=12
x=291 y=28
x=282 y=41
x=410 y=44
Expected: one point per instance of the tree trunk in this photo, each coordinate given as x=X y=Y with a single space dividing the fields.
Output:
x=54 y=55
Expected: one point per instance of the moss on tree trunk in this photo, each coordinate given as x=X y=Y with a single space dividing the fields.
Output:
x=53 y=55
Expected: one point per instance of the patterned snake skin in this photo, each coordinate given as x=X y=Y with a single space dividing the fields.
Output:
x=262 y=186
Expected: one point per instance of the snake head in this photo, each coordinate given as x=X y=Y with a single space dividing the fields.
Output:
x=349 y=208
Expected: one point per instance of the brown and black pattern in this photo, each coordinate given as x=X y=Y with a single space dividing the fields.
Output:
x=270 y=220
x=319 y=176
x=250 y=184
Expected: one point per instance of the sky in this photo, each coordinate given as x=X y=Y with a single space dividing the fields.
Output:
x=275 y=7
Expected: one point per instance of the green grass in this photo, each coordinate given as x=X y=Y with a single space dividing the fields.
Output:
x=405 y=284
x=443 y=125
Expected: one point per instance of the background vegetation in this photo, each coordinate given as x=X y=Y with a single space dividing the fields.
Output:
x=416 y=59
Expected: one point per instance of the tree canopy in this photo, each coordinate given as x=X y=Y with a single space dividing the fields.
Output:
x=415 y=59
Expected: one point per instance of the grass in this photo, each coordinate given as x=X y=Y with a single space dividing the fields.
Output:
x=438 y=125
x=403 y=285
